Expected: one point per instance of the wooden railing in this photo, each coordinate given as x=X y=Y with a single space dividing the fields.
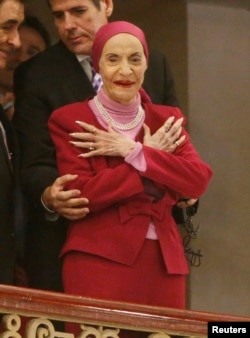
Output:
x=30 y=313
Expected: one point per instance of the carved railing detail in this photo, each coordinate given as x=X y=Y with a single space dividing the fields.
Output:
x=42 y=327
x=11 y=326
x=159 y=335
x=98 y=333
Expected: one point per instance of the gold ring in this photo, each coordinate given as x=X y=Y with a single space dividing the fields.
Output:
x=91 y=146
x=177 y=143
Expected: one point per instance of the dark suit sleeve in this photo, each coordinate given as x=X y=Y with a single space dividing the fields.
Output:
x=42 y=84
x=38 y=165
x=159 y=81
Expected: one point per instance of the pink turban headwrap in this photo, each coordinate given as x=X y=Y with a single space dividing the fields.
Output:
x=111 y=29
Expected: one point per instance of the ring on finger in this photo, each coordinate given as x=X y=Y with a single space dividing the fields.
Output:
x=177 y=143
x=93 y=131
x=91 y=146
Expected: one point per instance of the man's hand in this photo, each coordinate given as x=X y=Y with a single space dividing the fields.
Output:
x=66 y=203
x=186 y=202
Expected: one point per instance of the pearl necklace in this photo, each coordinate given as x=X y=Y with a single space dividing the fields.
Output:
x=121 y=126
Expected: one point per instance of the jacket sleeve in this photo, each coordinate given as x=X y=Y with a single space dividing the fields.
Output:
x=102 y=183
x=182 y=171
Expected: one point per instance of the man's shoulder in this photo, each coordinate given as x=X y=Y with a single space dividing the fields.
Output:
x=72 y=112
x=156 y=56
x=54 y=56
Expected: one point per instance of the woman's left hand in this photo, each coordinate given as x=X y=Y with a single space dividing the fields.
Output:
x=100 y=142
x=167 y=137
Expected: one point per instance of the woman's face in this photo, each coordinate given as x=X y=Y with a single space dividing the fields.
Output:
x=122 y=66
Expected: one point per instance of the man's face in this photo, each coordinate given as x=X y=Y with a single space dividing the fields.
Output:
x=32 y=43
x=77 y=22
x=11 y=15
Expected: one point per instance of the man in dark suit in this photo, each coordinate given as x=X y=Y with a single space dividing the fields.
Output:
x=11 y=15
x=42 y=84
x=7 y=245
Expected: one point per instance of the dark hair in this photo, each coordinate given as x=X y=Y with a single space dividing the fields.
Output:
x=95 y=2
x=34 y=23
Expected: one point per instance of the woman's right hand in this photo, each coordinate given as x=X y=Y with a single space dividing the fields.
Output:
x=167 y=137
x=100 y=142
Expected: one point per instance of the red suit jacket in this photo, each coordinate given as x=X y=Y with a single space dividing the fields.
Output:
x=120 y=210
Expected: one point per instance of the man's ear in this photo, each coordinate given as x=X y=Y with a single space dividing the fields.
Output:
x=109 y=7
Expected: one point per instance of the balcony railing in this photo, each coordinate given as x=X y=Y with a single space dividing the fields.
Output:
x=29 y=313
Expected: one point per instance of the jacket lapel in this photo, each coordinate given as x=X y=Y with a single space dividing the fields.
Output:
x=4 y=151
x=76 y=81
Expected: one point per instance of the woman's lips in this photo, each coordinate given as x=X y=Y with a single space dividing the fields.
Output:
x=124 y=83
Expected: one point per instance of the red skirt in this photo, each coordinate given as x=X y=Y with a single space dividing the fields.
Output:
x=145 y=282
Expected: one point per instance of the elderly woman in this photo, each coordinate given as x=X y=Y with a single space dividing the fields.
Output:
x=128 y=248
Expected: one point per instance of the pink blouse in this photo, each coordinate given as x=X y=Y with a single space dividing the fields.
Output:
x=124 y=114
